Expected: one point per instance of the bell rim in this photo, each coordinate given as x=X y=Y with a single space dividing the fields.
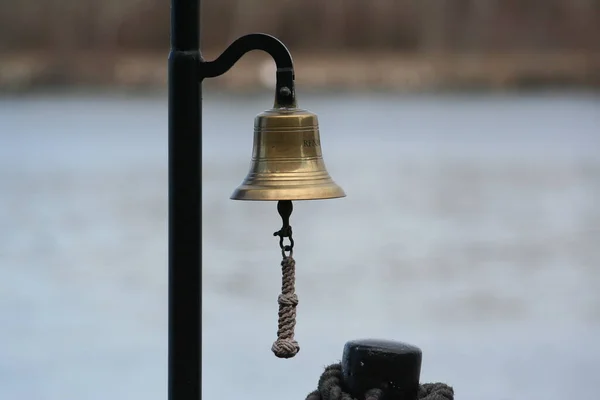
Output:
x=289 y=198
x=293 y=194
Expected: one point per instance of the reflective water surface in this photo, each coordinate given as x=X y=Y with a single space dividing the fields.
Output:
x=471 y=229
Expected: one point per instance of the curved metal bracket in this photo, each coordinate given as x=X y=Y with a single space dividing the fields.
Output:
x=285 y=93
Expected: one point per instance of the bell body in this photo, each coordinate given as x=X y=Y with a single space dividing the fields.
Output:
x=287 y=162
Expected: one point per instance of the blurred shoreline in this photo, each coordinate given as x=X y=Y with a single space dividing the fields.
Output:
x=315 y=70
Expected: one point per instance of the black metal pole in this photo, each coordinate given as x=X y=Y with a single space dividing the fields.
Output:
x=185 y=206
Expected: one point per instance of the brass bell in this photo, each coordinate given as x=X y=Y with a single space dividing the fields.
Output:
x=287 y=163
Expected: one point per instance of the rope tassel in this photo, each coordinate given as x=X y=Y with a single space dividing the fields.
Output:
x=285 y=346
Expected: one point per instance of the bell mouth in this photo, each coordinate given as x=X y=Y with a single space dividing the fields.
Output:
x=257 y=192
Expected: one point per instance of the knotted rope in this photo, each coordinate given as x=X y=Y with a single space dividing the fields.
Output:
x=331 y=387
x=285 y=346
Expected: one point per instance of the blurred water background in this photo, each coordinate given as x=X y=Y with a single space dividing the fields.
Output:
x=466 y=135
x=471 y=228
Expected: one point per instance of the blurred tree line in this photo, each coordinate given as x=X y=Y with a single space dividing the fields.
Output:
x=312 y=25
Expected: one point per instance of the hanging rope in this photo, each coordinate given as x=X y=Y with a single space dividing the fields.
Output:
x=331 y=387
x=286 y=346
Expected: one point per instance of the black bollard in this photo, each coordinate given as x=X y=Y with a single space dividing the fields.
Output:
x=394 y=367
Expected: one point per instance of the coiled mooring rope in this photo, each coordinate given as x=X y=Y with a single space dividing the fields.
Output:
x=331 y=387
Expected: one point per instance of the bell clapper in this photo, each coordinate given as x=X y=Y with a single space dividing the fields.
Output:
x=286 y=346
